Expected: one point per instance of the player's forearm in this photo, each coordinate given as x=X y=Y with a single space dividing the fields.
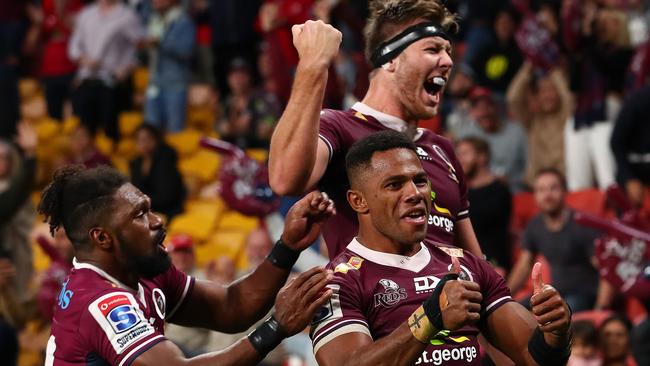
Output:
x=399 y=348
x=293 y=145
x=251 y=297
x=241 y=353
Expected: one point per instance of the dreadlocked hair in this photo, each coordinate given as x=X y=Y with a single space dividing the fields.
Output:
x=78 y=199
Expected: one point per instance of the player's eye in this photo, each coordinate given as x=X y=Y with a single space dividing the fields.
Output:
x=140 y=213
x=393 y=185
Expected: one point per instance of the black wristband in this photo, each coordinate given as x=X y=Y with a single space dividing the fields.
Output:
x=267 y=336
x=282 y=256
x=544 y=354
x=432 y=304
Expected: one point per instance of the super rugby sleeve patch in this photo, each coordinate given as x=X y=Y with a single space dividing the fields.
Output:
x=120 y=317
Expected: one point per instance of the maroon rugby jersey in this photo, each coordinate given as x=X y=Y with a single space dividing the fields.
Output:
x=375 y=292
x=340 y=129
x=99 y=321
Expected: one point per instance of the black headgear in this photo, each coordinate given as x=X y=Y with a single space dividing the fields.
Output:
x=388 y=50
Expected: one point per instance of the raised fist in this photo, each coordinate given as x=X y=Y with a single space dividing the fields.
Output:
x=317 y=43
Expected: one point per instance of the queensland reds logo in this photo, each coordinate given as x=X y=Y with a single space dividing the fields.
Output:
x=392 y=294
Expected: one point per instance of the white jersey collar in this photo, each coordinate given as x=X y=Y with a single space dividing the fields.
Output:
x=387 y=120
x=414 y=263
x=81 y=265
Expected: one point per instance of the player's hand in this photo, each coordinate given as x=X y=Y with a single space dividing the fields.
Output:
x=460 y=301
x=550 y=310
x=300 y=298
x=305 y=219
x=317 y=43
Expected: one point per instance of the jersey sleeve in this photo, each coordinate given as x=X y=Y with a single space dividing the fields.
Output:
x=493 y=288
x=116 y=328
x=177 y=288
x=463 y=212
x=329 y=132
x=341 y=315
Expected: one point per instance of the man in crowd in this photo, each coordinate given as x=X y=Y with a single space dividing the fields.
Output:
x=407 y=43
x=567 y=246
x=491 y=202
x=506 y=139
x=398 y=301
x=123 y=287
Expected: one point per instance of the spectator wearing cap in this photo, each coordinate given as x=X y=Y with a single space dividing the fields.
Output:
x=249 y=114
x=171 y=41
x=192 y=341
x=542 y=104
x=507 y=140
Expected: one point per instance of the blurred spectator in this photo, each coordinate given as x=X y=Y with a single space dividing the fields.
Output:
x=83 y=149
x=598 y=70
x=192 y=341
x=171 y=45
x=249 y=115
x=12 y=13
x=456 y=104
x=17 y=175
x=51 y=29
x=60 y=252
x=8 y=334
x=477 y=19
x=615 y=341
x=507 y=139
x=103 y=43
x=233 y=35
x=631 y=145
x=491 y=202
x=258 y=246
x=543 y=105
x=154 y=171
x=567 y=246
x=497 y=62
x=584 y=350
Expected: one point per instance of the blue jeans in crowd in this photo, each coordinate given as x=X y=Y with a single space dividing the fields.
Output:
x=166 y=108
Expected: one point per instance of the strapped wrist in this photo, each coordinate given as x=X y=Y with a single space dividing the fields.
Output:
x=267 y=336
x=282 y=256
x=432 y=304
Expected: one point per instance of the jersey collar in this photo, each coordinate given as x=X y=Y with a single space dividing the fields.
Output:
x=388 y=121
x=81 y=265
x=414 y=263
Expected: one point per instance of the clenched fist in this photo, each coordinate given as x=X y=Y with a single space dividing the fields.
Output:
x=317 y=43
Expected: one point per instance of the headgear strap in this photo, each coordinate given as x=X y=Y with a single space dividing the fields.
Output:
x=393 y=47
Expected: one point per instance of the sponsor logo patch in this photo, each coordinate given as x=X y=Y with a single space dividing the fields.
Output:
x=121 y=319
x=353 y=263
x=65 y=295
x=445 y=355
x=425 y=284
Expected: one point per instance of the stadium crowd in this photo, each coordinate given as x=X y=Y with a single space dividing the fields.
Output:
x=546 y=105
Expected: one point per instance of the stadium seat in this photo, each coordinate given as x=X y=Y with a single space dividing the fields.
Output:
x=186 y=142
x=121 y=164
x=261 y=155
x=129 y=122
x=70 y=124
x=589 y=200
x=233 y=220
x=197 y=225
x=595 y=316
x=140 y=79
x=203 y=165
x=200 y=118
x=229 y=243
x=47 y=128
x=127 y=148
x=104 y=144
x=523 y=209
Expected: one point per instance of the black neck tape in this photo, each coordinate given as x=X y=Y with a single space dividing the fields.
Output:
x=393 y=47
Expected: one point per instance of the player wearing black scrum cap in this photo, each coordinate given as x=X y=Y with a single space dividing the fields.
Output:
x=407 y=43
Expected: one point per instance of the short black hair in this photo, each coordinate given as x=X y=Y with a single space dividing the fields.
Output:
x=617 y=317
x=586 y=331
x=555 y=172
x=79 y=199
x=360 y=154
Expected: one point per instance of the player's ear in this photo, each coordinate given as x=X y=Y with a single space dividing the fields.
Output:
x=390 y=65
x=357 y=201
x=101 y=237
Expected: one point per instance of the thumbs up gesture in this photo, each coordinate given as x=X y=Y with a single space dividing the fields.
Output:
x=550 y=310
x=460 y=301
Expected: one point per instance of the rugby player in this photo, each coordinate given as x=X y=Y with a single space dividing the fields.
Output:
x=397 y=301
x=408 y=45
x=112 y=307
